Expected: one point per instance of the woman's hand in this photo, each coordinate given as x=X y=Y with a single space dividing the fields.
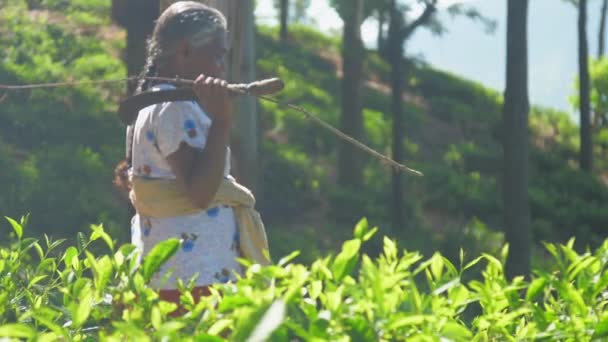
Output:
x=213 y=95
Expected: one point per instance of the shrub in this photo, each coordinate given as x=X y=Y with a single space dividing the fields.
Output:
x=47 y=294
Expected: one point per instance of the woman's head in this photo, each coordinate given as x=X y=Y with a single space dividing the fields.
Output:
x=189 y=39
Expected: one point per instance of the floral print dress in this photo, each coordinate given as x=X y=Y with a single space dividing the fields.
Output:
x=210 y=237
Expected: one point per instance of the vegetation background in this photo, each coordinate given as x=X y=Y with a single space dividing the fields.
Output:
x=497 y=170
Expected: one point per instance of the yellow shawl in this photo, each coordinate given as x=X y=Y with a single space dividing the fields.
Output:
x=165 y=198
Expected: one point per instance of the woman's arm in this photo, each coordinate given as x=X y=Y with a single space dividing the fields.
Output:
x=201 y=171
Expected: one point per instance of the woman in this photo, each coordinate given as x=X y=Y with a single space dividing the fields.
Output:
x=179 y=178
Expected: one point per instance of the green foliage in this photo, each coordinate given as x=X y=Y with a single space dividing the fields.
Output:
x=598 y=73
x=58 y=146
x=74 y=294
x=453 y=128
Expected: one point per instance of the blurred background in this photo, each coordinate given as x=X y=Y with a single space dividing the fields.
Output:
x=419 y=80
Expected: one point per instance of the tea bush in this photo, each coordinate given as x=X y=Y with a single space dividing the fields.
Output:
x=74 y=295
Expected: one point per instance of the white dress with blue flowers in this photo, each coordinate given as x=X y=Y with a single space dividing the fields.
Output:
x=210 y=237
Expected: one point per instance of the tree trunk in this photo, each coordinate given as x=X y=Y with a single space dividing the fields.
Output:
x=350 y=162
x=138 y=31
x=395 y=56
x=586 y=153
x=246 y=129
x=397 y=144
x=241 y=69
x=602 y=31
x=284 y=11
x=515 y=143
x=380 y=37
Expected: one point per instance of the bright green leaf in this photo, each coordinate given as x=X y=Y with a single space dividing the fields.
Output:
x=361 y=229
x=535 y=288
x=17 y=331
x=271 y=320
x=456 y=332
x=159 y=254
x=346 y=260
x=16 y=227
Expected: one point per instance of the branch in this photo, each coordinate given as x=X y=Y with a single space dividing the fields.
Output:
x=384 y=159
x=407 y=31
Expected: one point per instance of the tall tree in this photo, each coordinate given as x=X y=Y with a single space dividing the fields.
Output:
x=239 y=14
x=401 y=27
x=399 y=31
x=382 y=13
x=284 y=17
x=515 y=141
x=146 y=12
x=586 y=152
x=601 y=37
x=350 y=162
x=290 y=11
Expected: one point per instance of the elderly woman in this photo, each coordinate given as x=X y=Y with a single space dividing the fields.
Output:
x=179 y=176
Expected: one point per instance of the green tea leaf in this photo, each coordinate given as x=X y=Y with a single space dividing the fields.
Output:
x=171 y=326
x=407 y=320
x=155 y=318
x=447 y=286
x=219 y=326
x=535 y=288
x=602 y=284
x=16 y=227
x=36 y=280
x=361 y=229
x=360 y=329
x=208 y=338
x=601 y=329
x=98 y=232
x=390 y=248
x=345 y=261
x=233 y=302
x=287 y=259
x=437 y=266
x=370 y=234
x=456 y=332
x=459 y=295
x=45 y=316
x=103 y=271
x=81 y=241
x=48 y=337
x=70 y=257
x=472 y=263
x=580 y=264
x=158 y=256
x=85 y=303
x=248 y=321
x=271 y=320
x=17 y=330
x=316 y=287
x=39 y=250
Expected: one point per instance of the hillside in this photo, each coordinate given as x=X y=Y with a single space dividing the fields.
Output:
x=453 y=129
x=58 y=147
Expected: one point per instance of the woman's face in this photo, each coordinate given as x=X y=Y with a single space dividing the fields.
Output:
x=209 y=59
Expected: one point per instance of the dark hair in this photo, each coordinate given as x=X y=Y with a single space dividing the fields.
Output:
x=191 y=21
x=121 y=176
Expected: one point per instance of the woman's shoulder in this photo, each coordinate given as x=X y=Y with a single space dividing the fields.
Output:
x=181 y=110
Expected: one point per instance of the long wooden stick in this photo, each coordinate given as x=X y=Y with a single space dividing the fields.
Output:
x=319 y=122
